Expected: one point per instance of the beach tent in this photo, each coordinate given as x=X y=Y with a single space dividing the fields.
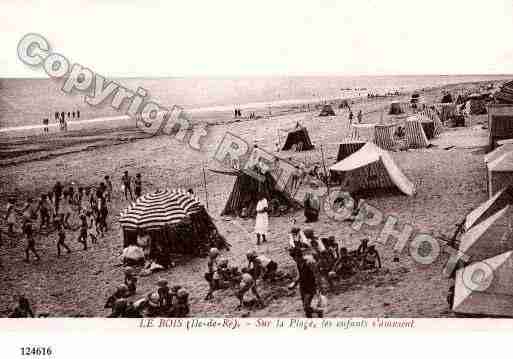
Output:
x=430 y=115
x=345 y=149
x=175 y=221
x=500 y=123
x=499 y=200
x=498 y=152
x=447 y=98
x=327 y=110
x=486 y=288
x=395 y=109
x=415 y=135
x=500 y=173
x=246 y=193
x=344 y=104
x=490 y=237
x=299 y=140
x=382 y=135
x=371 y=168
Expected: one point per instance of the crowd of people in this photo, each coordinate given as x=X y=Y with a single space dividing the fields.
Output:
x=61 y=119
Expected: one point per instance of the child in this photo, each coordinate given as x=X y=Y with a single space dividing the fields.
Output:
x=212 y=276
x=247 y=283
x=130 y=280
x=126 y=185
x=92 y=229
x=82 y=237
x=138 y=186
x=31 y=243
x=61 y=235
x=108 y=190
x=10 y=216
x=261 y=266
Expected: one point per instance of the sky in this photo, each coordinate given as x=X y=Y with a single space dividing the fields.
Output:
x=264 y=37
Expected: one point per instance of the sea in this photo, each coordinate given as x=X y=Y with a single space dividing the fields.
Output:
x=25 y=102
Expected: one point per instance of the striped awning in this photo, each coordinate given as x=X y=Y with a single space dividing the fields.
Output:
x=157 y=209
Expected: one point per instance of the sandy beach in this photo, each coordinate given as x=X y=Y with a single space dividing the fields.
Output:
x=450 y=182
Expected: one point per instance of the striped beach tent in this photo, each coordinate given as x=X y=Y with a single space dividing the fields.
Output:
x=158 y=209
x=432 y=115
x=415 y=135
x=384 y=136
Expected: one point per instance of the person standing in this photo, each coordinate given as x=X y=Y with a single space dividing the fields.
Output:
x=61 y=236
x=45 y=125
x=350 y=116
x=57 y=193
x=137 y=186
x=82 y=237
x=108 y=188
x=309 y=282
x=262 y=220
x=10 y=216
x=78 y=114
x=126 y=185
x=360 y=116
x=31 y=243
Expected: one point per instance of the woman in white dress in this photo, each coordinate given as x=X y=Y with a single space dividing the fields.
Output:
x=262 y=220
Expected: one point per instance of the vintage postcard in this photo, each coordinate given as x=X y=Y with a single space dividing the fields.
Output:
x=242 y=166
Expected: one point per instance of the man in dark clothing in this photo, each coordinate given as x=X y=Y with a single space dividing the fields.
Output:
x=23 y=309
x=309 y=282
x=82 y=237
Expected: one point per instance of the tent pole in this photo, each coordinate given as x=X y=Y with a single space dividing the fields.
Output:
x=205 y=185
x=325 y=170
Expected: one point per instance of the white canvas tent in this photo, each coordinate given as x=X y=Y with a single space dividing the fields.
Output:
x=500 y=200
x=372 y=167
x=500 y=173
x=490 y=237
x=498 y=152
x=485 y=288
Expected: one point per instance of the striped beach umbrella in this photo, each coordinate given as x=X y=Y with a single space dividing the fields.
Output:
x=157 y=209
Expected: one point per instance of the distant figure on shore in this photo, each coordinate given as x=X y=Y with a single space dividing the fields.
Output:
x=360 y=116
x=351 y=116
x=69 y=115
x=126 y=186
x=73 y=114
x=78 y=114
x=45 y=124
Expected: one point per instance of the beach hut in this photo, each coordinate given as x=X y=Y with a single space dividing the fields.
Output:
x=500 y=123
x=488 y=208
x=327 y=110
x=500 y=173
x=498 y=152
x=344 y=104
x=485 y=289
x=490 y=237
x=175 y=221
x=395 y=109
x=246 y=193
x=380 y=134
x=415 y=135
x=430 y=115
x=298 y=140
x=373 y=168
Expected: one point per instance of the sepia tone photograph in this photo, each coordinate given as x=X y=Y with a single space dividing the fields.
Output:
x=236 y=159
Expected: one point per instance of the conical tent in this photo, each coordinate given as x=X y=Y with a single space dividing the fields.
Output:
x=500 y=200
x=415 y=135
x=485 y=288
x=500 y=173
x=395 y=108
x=489 y=238
x=299 y=140
x=374 y=168
x=246 y=193
x=176 y=223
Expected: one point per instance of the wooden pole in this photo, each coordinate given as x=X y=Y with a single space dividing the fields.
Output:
x=205 y=185
x=325 y=170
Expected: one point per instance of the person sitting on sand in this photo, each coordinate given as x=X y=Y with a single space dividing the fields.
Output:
x=261 y=266
x=130 y=280
x=181 y=307
x=22 y=309
x=371 y=259
x=247 y=283
x=342 y=266
x=122 y=308
x=312 y=207
x=297 y=239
